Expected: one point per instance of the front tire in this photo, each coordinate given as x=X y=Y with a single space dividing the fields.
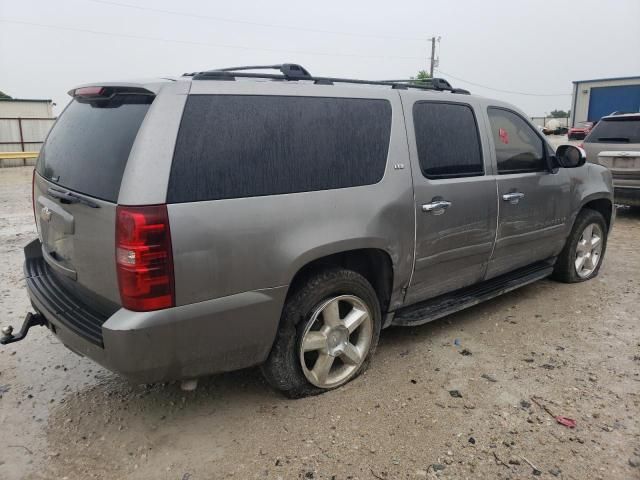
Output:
x=582 y=256
x=328 y=332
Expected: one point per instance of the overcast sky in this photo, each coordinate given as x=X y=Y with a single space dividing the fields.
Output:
x=534 y=47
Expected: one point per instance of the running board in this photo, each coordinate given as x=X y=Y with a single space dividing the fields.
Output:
x=449 y=303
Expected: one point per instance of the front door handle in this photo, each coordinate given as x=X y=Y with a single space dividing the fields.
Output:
x=437 y=207
x=513 y=198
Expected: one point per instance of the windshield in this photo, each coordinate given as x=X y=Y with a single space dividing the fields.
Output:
x=88 y=147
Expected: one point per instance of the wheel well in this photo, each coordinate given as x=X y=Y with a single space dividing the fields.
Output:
x=373 y=264
x=603 y=206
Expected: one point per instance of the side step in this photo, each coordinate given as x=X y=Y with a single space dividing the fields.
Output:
x=449 y=303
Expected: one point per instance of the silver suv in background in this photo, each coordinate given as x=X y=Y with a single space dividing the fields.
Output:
x=615 y=143
x=227 y=219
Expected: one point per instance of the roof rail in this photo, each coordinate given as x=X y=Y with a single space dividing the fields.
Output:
x=436 y=83
x=292 y=71
x=288 y=71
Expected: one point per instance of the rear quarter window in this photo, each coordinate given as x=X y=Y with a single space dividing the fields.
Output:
x=88 y=147
x=232 y=146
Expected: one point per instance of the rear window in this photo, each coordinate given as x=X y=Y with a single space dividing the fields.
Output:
x=88 y=147
x=616 y=130
x=232 y=146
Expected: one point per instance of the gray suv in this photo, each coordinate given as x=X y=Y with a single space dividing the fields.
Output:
x=233 y=218
x=615 y=143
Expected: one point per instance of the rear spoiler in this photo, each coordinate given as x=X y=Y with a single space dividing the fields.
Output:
x=107 y=92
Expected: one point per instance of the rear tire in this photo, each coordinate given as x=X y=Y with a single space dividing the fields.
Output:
x=328 y=332
x=582 y=255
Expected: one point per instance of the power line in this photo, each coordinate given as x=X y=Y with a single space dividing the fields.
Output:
x=506 y=91
x=247 y=22
x=205 y=44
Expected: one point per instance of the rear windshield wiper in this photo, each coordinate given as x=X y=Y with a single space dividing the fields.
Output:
x=69 y=197
x=614 y=139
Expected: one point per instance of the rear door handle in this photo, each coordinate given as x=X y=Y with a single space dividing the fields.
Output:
x=513 y=197
x=437 y=208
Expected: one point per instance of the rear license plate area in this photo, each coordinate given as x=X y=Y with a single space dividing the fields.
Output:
x=626 y=162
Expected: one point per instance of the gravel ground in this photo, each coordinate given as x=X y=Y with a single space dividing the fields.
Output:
x=576 y=348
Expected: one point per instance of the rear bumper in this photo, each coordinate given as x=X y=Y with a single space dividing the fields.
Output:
x=627 y=195
x=188 y=341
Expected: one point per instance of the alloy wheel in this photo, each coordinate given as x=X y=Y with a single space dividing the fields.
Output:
x=589 y=250
x=336 y=341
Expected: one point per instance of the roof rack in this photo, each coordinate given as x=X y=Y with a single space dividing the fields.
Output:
x=437 y=83
x=294 y=72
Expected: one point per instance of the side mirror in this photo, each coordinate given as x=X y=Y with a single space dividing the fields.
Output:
x=569 y=156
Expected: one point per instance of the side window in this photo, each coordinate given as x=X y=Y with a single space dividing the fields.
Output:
x=518 y=148
x=232 y=146
x=447 y=140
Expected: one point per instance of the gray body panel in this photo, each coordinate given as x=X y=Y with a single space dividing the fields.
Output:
x=460 y=240
x=228 y=246
x=536 y=227
x=234 y=259
x=147 y=172
x=78 y=241
x=182 y=342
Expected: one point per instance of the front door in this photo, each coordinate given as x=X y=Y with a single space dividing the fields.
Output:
x=533 y=207
x=455 y=198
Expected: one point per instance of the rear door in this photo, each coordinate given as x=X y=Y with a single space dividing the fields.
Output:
x=533 y=200
x=76 y=186
x=455 y=196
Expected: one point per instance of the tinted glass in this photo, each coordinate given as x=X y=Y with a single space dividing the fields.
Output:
x=232 y=146
x=447 y=140
x=619 y=130
x=518 y=147
x=88 y=147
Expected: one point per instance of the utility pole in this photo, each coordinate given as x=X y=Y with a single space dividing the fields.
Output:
x=433 y=55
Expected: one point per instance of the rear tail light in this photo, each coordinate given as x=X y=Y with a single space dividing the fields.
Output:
x=144 y=258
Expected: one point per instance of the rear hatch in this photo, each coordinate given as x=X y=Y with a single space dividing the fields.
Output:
x=615 y=143
x=76 y=186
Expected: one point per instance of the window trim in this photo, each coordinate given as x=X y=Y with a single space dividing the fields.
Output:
x=545 y=153
x=481 y=150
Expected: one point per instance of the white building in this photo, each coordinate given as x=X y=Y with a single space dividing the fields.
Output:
x=594 y=99
x=25 y=108
x=24 y=124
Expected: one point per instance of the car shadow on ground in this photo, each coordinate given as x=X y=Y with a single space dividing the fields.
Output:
x=624 y=211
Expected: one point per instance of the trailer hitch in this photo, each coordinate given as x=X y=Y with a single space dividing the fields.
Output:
x=31 y=320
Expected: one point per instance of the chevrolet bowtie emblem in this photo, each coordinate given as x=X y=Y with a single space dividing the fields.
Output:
x=45 y=214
